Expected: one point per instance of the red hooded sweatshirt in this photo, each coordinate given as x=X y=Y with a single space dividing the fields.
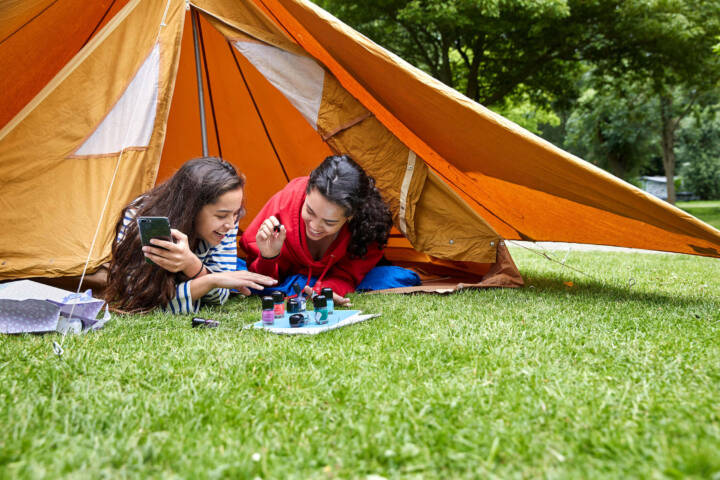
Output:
x=335 y=269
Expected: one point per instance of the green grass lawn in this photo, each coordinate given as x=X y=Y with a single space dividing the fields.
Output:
x=707 y=211
x=614 y=375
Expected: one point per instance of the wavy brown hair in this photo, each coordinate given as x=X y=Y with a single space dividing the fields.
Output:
x=135 y=285
x=343 y=182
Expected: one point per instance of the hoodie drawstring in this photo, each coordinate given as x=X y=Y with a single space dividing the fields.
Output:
x=318 y=284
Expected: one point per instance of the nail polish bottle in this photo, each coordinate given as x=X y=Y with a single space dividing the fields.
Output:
x=301 y=303
x=297 y=320
x=205 y=322
x=278 y=304
x=321 y=310
x=268 y=311
x=328 y=294
x=293 y=306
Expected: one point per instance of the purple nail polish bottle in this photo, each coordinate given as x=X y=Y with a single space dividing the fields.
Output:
x=268 y=311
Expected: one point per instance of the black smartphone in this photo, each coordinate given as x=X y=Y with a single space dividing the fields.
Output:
x=153 y=227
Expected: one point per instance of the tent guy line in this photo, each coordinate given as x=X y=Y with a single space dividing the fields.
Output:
x=548 y=257
x=58 y=349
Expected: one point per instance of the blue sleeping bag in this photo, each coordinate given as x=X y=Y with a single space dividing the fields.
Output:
x=379 y=278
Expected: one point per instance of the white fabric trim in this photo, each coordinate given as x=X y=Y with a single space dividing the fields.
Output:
x=404 y=191
x=299 y=78
x=130 y=122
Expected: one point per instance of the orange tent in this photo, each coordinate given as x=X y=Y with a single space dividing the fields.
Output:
x=101 y=102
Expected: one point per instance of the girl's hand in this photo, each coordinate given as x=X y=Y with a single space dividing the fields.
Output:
x=341 y=301
x=242 y=280
x=173 y=257
x=268 y=240
x=337 y=299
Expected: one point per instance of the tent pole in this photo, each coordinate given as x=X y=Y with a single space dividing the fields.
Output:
x=201 y=96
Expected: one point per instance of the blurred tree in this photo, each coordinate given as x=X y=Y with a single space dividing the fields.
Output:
x=611 y=127
x=702 y=177
x=664 y=48
x=667 y=46
x=698 y=152
x=500 y=51
x=488 y=49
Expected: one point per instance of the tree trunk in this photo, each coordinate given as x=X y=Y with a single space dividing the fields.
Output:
x=473 y=90
x=669 y=124
x=617 y=166
x=445 y=68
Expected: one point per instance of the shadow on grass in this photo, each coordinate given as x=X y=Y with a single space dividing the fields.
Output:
x=613 y=291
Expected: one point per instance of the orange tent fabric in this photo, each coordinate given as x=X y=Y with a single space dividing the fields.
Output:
x=110 y=99
x=37 y=40
x=525 y=187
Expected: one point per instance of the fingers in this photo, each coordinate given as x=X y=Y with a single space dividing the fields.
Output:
x=274 y=222
x=155 y=251
x=256 y=278
x=341 y=301
x=308 y=291
x=270 y=237
x=243 y=284
x=244 y=291
x=261 y=236
x=164 y=244
x=177 y=256
x=161 y=262
x=179 y=243
x=271 y=228
x=253 y=285
x=260 y=278
x=177 y=235
x=269 y=224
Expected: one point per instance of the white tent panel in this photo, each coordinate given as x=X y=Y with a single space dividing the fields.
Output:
x=299 y=78
x=130 y=122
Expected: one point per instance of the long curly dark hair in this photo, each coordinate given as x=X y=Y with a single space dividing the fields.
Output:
x=133 y=284
x=342 y=181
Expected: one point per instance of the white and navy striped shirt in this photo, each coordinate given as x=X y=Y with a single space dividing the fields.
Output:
x=220 y=258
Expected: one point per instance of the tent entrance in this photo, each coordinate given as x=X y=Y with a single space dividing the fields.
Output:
x=275 y=113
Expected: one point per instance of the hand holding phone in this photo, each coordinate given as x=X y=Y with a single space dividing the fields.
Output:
x=153 y=227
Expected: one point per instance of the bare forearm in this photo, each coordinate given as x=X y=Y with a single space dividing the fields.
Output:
x=194 y=268
x=202 y=285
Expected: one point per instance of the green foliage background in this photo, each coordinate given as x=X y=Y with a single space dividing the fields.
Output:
x=612 y=81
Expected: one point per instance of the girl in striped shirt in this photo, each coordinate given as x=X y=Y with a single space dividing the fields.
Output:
x=203 y=201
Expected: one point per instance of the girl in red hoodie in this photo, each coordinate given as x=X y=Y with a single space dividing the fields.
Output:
x=331 y=225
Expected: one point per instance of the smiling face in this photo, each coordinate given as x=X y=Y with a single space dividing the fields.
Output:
x=322 y=217
x=216 y=219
